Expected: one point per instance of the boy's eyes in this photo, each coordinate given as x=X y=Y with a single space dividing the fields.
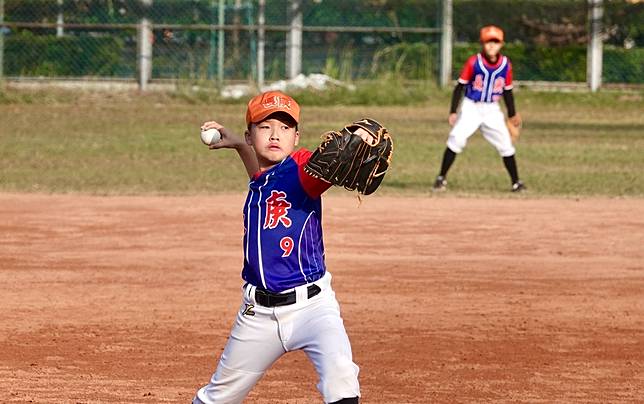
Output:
x=283 y=127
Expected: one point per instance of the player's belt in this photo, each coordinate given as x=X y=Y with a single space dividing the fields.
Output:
x=270 y=299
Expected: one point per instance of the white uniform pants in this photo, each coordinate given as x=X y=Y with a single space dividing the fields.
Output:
x=257 y=341
x=489 y=117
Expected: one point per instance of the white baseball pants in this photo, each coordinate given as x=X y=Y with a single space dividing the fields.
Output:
x=489 y=117
x=257 y=341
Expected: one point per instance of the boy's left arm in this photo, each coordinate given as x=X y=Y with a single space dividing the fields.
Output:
x=514 y=117
x=314 y=187
x=508 y=98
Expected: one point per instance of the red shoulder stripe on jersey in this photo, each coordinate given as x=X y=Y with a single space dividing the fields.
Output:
x=467 y=73
x=258 y=174
x=314 y=187
x=508 y=77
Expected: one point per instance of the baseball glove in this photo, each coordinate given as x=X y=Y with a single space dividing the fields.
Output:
x=345 y=159
x=514 y=127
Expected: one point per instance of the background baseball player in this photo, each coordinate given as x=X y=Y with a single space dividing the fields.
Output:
x=287 y=301
x=485 y=77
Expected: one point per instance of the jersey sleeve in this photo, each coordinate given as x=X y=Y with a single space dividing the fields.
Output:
x=467 y=72
x=314 y=187
x=508 y=77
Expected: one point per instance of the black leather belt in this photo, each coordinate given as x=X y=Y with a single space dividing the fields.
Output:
x=270 y=299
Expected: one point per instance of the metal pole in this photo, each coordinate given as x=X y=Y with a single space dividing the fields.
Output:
x=1 y=40
x=60 y=30
x=253 y=41
x=220 y=45
x=212 y=53
x=294 y=40
x=261 y=43
x=594 y=54
x=446 y=44
x=233 y=53
x=145 y=48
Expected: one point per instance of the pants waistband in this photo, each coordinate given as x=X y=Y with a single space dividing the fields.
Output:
x=481 y=102
x=270 y=299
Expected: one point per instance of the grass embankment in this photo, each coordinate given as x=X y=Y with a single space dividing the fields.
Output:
x=572 y=144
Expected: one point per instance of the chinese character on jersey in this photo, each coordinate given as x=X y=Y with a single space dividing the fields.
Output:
x=277 y=210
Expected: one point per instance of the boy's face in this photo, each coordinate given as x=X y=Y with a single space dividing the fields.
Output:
x=273 y=139
x=492 y=48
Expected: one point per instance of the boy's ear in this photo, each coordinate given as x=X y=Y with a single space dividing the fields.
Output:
x=247 y=137
x=297 y=137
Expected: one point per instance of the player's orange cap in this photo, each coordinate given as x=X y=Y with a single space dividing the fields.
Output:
x=262 y=105
x=491 y=32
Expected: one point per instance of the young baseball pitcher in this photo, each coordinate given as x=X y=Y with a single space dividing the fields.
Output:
x=486 y=77
x=288 y=302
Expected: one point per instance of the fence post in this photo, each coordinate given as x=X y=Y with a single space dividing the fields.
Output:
x=253 y=41
x=1 y=41
x=220 y=44
x=261 y=43
x=211 y=43
x=594 y=52
x=294 y=40
x=145 y=39
x=60 y=30
x=234 y=55
x=446 y=44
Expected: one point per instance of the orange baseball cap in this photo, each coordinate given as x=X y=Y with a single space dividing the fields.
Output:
x=262 y=105
x=491 y=32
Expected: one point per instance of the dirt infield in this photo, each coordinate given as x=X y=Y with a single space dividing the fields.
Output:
x=130 y=299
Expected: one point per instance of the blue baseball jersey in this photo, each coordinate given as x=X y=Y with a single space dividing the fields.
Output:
x=485 y=82
x=283 y=243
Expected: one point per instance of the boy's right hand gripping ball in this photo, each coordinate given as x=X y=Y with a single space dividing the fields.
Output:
x=344 y=158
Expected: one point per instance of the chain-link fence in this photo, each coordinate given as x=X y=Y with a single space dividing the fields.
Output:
x=202 y=40
x=71 y=38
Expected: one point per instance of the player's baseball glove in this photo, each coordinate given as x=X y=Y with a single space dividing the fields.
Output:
x=344 y=158
x=513 y=128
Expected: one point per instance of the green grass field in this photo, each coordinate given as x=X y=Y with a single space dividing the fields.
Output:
x=105 y=143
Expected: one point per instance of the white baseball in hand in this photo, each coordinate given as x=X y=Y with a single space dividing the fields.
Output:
x=210 y=136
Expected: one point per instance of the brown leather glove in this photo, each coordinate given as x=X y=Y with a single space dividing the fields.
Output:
x=514 y=127
x=346 y=159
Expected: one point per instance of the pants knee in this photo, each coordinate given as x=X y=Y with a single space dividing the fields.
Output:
x=227 y=386
x=340 y=381
x=456 y=145
x=507 y=151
